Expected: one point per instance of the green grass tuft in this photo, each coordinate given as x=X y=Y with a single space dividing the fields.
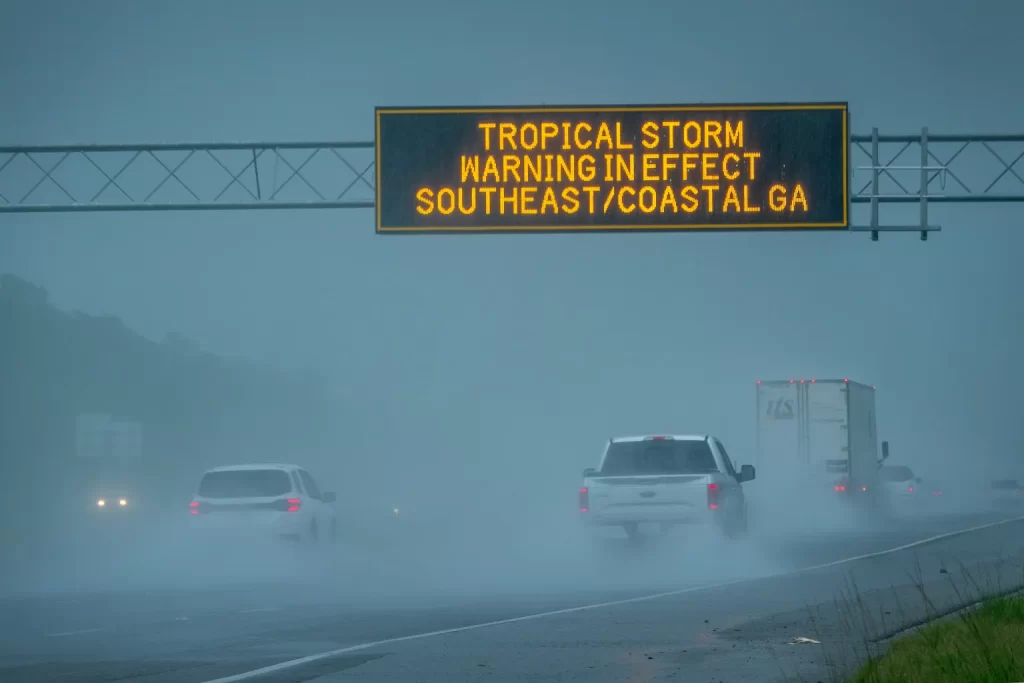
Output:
x=982 y=645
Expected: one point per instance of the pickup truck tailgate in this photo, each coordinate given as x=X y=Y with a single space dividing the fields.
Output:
x=653 y=498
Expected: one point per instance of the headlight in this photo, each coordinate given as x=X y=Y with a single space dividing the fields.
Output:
x=101 y=502
x=122 y=502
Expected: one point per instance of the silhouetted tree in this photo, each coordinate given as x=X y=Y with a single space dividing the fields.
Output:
x=198 y=409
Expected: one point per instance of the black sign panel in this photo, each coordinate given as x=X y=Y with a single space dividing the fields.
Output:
x=559 y=169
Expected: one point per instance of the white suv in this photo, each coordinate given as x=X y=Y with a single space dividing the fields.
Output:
x=279 y=501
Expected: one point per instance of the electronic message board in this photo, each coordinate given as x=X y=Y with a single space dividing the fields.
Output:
x=576 y=168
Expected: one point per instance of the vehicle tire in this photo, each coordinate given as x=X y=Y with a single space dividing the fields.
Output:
x=632 y=530
x=314 y=533
x=742 y=524
x=736 y=527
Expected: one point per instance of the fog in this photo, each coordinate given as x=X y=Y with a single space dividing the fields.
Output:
x=409 y=549
x=467 y=381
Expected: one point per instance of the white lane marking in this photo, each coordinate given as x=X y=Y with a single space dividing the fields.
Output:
x=364 y=646
x=73 y=633
x=925 y=541
x=291 y=663
x=258 y=609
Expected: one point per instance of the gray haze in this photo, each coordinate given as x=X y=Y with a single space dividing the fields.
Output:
x=490 y=370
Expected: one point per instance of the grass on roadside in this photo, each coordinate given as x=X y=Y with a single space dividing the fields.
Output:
x=985 y=644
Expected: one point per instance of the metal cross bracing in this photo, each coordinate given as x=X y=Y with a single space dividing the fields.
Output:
x=885 y=169
x=260 y=175
x=923 y=169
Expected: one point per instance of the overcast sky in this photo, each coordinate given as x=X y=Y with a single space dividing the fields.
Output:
x=562 y=340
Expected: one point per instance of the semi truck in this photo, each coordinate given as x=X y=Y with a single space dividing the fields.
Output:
x=820 y=434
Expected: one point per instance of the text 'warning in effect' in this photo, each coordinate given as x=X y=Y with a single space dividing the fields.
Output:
x=558 y=169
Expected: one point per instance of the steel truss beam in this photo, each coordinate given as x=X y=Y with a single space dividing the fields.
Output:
x=339 y=175
x=984 y=171
x=259 y=175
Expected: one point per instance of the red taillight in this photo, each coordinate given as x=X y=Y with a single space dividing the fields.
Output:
x=193 y=507
x=288 y=505
x=657 y=438
x=584 y=499
x=712 y=496
x=839 y=487
x=910 y=488
x=936 y=493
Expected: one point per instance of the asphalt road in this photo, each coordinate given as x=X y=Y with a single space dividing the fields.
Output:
x=680 y=610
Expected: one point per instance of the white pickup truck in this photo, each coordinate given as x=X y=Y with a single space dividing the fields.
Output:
x=665 y=480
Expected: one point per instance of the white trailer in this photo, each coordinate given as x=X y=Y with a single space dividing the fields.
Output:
x=820 y=433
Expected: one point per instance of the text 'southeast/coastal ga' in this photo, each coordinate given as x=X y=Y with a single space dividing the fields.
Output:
x=599 y=168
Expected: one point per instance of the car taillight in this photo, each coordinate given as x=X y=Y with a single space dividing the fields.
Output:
x=712 y=496
x=293 y=504
x=839 y=487
x=193 y=507
x=910 y=488
x=584 y=499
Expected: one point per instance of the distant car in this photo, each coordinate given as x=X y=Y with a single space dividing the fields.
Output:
x=667 y=481
x=113 y=506
x=111 y=509
x=934 y=488
x=937 y=495
x=112 y=502
x=1006 y=493
x=903 y=489
x=271 y=501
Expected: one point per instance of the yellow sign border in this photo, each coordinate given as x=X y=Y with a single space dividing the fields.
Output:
x=586 y=109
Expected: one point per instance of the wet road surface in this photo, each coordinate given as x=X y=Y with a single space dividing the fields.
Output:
x=729 y=620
